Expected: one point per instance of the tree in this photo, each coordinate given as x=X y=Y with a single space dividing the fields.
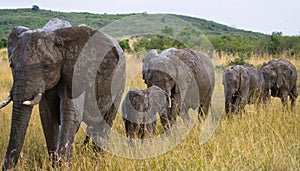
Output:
x=35 y=8
x=169 y=31
x=273 y=46
x=3 y=43
x=125 y=45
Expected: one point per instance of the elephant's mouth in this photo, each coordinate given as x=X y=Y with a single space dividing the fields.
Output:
x=36 y=100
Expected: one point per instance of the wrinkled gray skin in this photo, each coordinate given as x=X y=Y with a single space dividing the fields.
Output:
x=42 y=63
x=187 y=77
x=280 y=81
x=139 y=110
x=243 y=84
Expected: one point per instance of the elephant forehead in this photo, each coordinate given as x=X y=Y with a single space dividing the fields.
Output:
x=170 y=66
x=136 y=96
x=230 y=73
x=27 y=50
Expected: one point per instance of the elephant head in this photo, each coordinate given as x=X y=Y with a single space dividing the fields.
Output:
x=150 y=55
x=35 y=62
x=235 y=80
x=276 y=77
x=169 y=73
x=140 y=106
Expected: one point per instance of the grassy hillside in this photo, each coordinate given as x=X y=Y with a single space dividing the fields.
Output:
x=36 y=19
x=211 y=28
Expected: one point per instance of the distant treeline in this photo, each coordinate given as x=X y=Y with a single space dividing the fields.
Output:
x=204 y=35
x=274 y=44
x=241 y=46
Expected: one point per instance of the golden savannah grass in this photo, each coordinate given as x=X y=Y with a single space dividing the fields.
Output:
x=263 y=139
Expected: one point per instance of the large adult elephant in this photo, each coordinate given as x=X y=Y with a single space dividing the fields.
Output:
x=186 y=76
x=243 y=84
x=280 y=81
x=54 y=67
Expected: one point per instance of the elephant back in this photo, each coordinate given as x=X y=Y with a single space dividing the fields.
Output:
x=202 y=72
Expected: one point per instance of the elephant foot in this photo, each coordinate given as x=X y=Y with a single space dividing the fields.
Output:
x=95 y=148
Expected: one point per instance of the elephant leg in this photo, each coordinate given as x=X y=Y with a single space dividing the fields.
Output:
x=243 y=99
x=234 y=104
x=284 y=101
x=101 y=127
x=49 y=112
x=184 y=115
x=241 y=107
x=142 y=132
x=151 y=128
x=293 y=103
x=70 y=123
x=293 y=96
x=203 y=109
x=168 y=117
x=132 y=129
x=164 y=120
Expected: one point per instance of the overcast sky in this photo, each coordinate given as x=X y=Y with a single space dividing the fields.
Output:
x=263 y=16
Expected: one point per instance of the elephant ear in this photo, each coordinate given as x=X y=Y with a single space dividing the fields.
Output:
x=13 y=39
x=185 y=82
x=244 y=78
x=281 y=74
x=150 y=55
x=157 y=98
x=138 y=99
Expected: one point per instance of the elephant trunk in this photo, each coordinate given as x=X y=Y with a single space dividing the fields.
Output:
x=20 y=119
x=228 y=104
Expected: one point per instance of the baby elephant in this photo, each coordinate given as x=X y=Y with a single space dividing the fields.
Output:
x=139 y=110
x=243 y=84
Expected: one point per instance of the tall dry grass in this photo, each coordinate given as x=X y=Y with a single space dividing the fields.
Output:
x=264 y=139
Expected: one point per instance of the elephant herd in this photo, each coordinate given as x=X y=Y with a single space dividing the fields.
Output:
x=246 y=84
x=77 y=74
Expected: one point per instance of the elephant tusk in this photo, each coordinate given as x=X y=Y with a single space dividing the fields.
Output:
x=5 y=102
x=170 y=102
x=35 y=101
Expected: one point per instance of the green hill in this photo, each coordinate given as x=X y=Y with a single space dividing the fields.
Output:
x=213 y=28
x=36 y=19
x=222 y=37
